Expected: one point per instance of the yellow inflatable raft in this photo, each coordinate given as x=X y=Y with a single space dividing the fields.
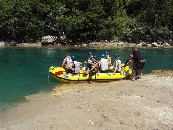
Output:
x=59 y=74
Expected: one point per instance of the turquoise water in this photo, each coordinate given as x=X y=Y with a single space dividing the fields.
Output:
x=24 y=71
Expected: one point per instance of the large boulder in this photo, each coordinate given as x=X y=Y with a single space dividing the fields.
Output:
x=2 y=44
x=46 y=40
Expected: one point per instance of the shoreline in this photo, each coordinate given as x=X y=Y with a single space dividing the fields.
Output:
x=125 y=104
x=93 y=45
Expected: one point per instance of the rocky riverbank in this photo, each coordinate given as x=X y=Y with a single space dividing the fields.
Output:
x=99 y=45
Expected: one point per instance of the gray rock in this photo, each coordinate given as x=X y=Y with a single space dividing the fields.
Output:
x=2 y=44
x=46 y=40
x=166 y=44
x=154 y=44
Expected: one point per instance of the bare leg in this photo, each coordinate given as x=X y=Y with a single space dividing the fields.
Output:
x=90 y=77
x=130 y=64
x=134 y=74
x=141 y=71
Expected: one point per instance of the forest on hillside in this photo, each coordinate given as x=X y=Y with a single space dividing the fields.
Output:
x=87 y=20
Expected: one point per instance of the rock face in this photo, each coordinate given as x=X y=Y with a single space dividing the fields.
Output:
x=46 y=40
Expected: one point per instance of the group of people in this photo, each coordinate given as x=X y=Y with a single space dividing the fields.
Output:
x=103 y=65
x=93 y=66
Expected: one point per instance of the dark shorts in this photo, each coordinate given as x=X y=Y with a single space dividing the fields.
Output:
x=138 y=66
x=92 y=72
x=88 y=66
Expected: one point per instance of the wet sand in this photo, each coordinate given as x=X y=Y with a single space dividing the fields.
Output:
x=146 y=103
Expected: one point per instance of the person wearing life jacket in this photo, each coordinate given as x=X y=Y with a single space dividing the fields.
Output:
x=74 y=67
x=90 y=56
x=103 y=63
x=129 y=61
x=108 y=58
x=67 y=61
x=117 y=64
x=89 y=61
x=94 y=69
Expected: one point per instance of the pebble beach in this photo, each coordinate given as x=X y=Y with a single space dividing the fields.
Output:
x=142 y=104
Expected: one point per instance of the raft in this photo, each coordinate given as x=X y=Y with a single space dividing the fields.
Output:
x=59 y=74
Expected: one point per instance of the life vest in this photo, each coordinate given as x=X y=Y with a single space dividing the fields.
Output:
x=141 y=60
x=93 y=64
x=76 y=67
x=89 y=60
x=119 y=65
x=108 y=59
x=68 y=61
x=104 y=64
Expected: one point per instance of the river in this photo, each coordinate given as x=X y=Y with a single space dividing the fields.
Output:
x=24 y=71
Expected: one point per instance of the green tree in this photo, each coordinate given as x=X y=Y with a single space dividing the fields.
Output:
x=84 y=20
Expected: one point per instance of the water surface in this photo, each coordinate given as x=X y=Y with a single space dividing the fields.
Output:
x=24 y=71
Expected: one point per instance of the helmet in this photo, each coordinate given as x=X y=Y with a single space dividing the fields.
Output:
x=116 y=55
x=73 y=58
x=89 y=53
x=102 y=55
x=106 y=53
x=94 y=57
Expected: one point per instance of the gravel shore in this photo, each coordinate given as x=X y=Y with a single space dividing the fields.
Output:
x=131 y=105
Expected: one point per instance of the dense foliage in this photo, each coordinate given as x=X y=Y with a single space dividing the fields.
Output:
x=86 y=20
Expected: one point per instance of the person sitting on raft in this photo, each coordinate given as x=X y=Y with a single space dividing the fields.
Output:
x=117 y=64
x=93 y=70
x=108 y=58
x=103 y=64
x=129 y=61
x=90 y=56
x=89 y=61
x=74 y=67
x=67 y=61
